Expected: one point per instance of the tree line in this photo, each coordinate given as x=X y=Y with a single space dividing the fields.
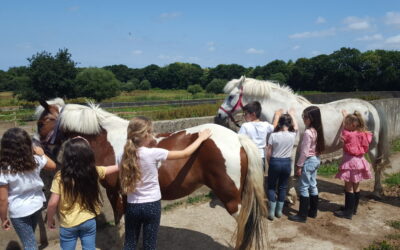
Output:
x=347 y=69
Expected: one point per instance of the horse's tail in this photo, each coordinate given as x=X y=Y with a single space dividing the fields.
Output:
x=250 y=221
x=383 y=143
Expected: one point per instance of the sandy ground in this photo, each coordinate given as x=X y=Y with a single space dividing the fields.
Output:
x=209 y=226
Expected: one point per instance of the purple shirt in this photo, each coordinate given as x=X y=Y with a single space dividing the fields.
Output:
x=308 y=146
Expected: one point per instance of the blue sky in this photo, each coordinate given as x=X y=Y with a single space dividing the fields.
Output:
x=139 y=33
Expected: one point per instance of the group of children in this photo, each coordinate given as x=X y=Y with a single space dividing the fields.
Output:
x=277 y=140
x=76 y=193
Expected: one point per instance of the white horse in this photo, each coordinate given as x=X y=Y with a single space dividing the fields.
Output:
x=273 y=96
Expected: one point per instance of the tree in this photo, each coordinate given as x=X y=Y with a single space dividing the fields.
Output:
x=216 y=86
x=121 y=72
x=130 y=85
x=50 y=76
x=97 y=83
x=278 y=77
x=194 y=89
x=228 y=72
x=144 y=85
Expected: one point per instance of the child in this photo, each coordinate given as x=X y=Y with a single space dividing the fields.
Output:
x=139 y=180
x=20 y=184
x=279 y=151
x=354 y=167
x=312 y=146
x=76 y=193
x=255 y=129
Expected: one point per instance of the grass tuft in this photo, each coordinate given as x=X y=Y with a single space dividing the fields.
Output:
x=329 y=169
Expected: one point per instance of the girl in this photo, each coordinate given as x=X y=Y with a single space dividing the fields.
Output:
x=354 y=167
x=279 y=150
x=20 y=184
x=255 y=129
x=76 y=193
x=312 y=146
x=139 y=180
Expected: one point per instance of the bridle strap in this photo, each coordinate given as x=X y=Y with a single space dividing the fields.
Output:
x=239 y=104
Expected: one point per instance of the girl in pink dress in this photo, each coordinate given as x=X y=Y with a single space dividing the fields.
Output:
x=354 y=167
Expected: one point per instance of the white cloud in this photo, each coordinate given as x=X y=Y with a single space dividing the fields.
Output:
x=393 y=18
x=170 y=58
x=137 y=52
x=356 y=23
x=311 y=34
x=315 y=53
x=170 y=15
x=320 y=20
x=375 y=37
x=296 y=47
x=394 y=40
x=254 y=51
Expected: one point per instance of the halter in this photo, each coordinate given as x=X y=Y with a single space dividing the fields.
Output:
x=52 y=136
x=239 y=103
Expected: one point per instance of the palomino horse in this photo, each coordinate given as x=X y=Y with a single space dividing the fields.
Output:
x=272 y=97
x=227 y=163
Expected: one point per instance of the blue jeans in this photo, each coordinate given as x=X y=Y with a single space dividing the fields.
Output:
x=308 y=178
x=137 y=215
x=25 y=228
x=278 y=173
x=86 y=231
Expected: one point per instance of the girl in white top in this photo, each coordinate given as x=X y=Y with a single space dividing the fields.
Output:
x=255 y=129
x=21 y=192
x=279 y=151
x=139 y=180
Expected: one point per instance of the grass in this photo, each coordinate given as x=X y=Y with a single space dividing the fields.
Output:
x=392 y=180
x=329 y=169
x=189 y=201
x=395 y=146
x=392 y=241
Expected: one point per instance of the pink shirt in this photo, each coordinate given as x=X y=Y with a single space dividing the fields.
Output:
x=308 y=146
x=148 y=189
x=356 y=142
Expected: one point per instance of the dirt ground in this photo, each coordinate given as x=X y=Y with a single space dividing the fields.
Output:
x=209 y=226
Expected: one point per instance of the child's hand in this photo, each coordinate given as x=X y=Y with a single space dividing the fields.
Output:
x=279 y=112
x=292 y=112
x=38 y=150
x=205 y=134
x=344 y=112
x=6 y=225
x=298 y=171
x=51 y=224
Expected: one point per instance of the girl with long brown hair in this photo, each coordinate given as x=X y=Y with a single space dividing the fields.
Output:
x=139 y=180
x=311 y=148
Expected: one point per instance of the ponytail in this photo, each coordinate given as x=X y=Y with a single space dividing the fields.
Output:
x=361 y=123
x=129 y=172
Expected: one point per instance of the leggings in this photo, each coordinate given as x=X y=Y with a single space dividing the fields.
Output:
x=142 y=214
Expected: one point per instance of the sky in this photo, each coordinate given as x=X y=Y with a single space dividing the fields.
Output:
x=251 y=33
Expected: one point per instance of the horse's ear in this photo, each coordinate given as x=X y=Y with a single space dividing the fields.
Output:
x=44 y=104
x=241 y=80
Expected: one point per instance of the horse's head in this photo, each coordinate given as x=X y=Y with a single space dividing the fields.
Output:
x=47 y=125
x=233 y=103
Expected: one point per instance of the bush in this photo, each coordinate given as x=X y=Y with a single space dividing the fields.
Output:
x=194 y=89
x=144 y=85
x=216 y=86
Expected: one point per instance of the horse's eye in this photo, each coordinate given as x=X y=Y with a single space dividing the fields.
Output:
x=230 y=98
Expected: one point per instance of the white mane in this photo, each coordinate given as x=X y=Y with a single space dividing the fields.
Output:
x=87 y=119
x=260 y=88
x=56 y=101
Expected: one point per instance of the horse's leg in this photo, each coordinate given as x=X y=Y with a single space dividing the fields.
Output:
x=291 y=191
x=377 y=167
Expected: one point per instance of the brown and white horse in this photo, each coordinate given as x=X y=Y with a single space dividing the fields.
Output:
x=227 y=163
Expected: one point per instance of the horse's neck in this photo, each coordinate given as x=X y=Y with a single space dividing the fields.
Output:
x=116 y=134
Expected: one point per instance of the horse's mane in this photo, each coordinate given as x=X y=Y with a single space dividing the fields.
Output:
x=85 y=119
x=261 y=88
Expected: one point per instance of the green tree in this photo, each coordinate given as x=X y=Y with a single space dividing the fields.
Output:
x=278 y=77
x=130 y=85
x=216 y=86
x=121 y=72
x=227 y=71
x=194 y=89
x=144 y=85
x=97 y=83
x=50 y=76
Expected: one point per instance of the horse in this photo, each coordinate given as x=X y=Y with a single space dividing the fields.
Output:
x=226 y=162
x=274 y=96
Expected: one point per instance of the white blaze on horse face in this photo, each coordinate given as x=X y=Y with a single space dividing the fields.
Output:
x=228 y=143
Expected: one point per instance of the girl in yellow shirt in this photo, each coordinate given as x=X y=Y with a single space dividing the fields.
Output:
x=76 y=193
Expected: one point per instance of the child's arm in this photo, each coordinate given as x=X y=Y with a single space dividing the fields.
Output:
x=50 y=165
x=203 y=135
x=269 y=152
x=5 y=222
x=111 y=169
x=277 y=114
x=292 y=113
x=51 y=210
